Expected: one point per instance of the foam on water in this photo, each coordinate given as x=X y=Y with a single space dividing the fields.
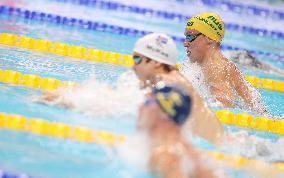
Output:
x=242 y=143
x=97 y=98
x=193 y=72
x=138 y=156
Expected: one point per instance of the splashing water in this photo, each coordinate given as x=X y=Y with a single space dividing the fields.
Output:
x=254 y=147
x=193 y=72
x=100 y=99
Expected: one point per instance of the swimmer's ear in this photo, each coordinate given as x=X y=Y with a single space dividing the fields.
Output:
x=157 y=64
x=210 y=41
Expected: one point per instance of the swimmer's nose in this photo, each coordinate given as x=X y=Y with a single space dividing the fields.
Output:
x=134 y=67
x=186 y=43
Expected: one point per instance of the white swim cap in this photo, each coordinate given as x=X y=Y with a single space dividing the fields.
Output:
x=158 y=47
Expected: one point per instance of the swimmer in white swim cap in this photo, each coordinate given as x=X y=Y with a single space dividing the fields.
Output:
x=155 y=57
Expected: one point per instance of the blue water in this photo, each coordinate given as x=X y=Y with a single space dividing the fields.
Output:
x=50 y=157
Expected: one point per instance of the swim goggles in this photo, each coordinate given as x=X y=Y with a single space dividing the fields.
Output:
x=190 y=38
x=137 y=59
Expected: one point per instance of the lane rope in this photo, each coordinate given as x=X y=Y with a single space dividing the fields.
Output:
x=64 y=131
x=4 y=174
x=92 y=54
x=148 y=12
x=57 y=130
x=226 y=117
x=103 y=27
x=238 y=8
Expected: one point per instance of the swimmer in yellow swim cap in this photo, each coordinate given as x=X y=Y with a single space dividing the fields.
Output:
x=155 y=56
x=204 y=34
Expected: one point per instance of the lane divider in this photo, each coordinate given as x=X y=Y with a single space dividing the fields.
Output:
x=265 y=83
x=244 y=120
x=97 y=55
x=103 y=27
x=64 y=131
x=65 y=49
x=226 y=117
x=4 y=174
x=57 y=129
x=229 y=6
x=175 y=16
x=245 y=8
x=240 y=162
x=34 y=81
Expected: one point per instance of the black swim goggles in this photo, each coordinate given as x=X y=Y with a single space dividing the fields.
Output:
x=190 y=38
x=137 y=59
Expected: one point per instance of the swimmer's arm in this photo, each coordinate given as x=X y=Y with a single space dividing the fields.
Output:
x=240 y=84
x=268 y=67
x=242 y=88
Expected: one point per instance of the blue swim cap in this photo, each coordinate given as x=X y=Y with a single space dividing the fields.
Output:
x=174 y=101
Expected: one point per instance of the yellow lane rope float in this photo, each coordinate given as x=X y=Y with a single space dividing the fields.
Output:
x=226 y=117
x=31 y=80
x=247 y=121
x=65 y=49
x=82 y=134
x=103 y=56
x=57 y=129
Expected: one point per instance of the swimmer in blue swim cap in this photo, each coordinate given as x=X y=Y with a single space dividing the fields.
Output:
x=174 y=102
x=155 y=58
x=162 y=116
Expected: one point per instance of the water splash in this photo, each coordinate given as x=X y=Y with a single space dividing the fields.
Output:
x=242 y=143
x=97 y=98
x=194 y=74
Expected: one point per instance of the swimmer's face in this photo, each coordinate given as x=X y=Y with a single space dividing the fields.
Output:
x=144 y=67
x=195 y=49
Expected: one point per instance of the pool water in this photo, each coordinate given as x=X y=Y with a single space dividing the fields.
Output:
x=40 y=156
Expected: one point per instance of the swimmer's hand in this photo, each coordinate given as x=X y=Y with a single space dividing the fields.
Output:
x=53 y=98
x=48 y=96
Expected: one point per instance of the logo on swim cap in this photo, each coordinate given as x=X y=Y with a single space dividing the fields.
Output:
x=160 y=40
x=189 y=23
x=158 y=47
x=209 y=24
x=174 y=101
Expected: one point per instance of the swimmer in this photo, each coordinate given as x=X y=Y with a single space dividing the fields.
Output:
x=155 y=57
x=161 y=117
x=245 y=59
x=204 y=33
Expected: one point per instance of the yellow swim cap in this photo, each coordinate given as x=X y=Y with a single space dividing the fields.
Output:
x=209 y=24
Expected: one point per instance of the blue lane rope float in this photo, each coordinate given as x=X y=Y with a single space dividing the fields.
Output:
x=250 y=9
x=180 y=17
x=4 y=174
x=103 y=27
x=230 y=6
